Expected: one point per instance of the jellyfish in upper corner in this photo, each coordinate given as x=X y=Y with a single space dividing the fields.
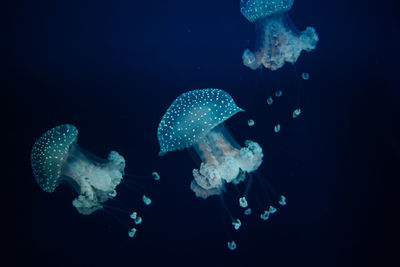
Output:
x=277 y=41
x=57 y=158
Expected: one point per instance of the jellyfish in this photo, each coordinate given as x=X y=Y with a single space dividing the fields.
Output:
x=196 y=119
x=57 y=158
x=278 y=40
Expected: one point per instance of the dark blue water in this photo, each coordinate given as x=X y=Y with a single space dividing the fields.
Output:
x=112 y=68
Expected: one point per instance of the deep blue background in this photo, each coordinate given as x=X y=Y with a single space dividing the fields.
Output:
x=112 y=68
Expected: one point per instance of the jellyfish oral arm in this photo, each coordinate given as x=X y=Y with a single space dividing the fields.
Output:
x=251 y=60
x=95 y=181
x=278 y=41
x=223 y=162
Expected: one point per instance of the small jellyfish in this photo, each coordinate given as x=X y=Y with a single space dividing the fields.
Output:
x=57 y=158
x=156 y=176
x=282 y=201
x=305 y=76
x=236 y=224
x=132 y=232
x=265 y=215
x=278 y=93
x=195 y=120
x=232 y=245
x=278 y=40
x=270 y=101
x=250 y=123
x=296 y=113
x=277 y=128
x=247 y=211
x=146 y=200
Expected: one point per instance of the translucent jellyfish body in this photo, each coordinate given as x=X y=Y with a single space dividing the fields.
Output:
x=195 y=120
x=57 y=158
x=278 y=41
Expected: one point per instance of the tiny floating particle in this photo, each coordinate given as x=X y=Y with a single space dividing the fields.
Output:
x=305 y=76
x=272 y=209
x=247 y=211
x=232 y=245
x=296 y=113
x=132 y=232
x=277 y=128
x=243 y=202
x=278 y=93
x=265 y=215
x=236 y=224
x=138 y=220
x=133 y=215
x=156 y=176
x=250 y=123
x=270 y=101
x=146 y=200
x=282 y=201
